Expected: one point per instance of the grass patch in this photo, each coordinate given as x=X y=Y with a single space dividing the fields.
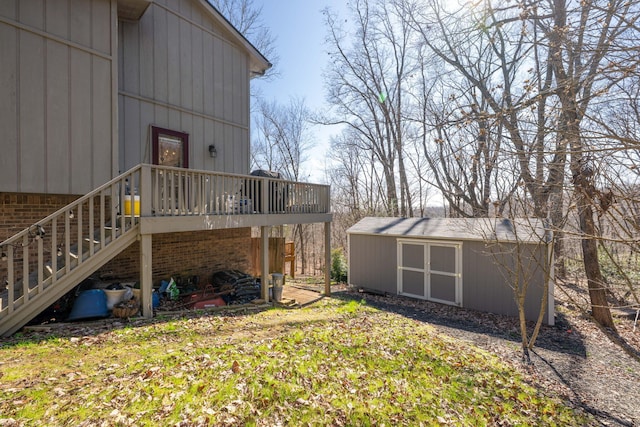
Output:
x=334 y=363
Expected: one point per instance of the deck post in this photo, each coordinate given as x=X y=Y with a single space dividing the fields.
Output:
x=145 y=191
x=264 y=257
x=327 y=258
x=146 y=282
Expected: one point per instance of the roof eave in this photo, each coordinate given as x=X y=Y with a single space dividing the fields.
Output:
x=258 y=63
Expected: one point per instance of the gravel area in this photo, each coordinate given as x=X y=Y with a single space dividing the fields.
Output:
x=573 y=358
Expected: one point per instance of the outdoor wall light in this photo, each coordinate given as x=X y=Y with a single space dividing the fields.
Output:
x=212 y=151
x=3 y=256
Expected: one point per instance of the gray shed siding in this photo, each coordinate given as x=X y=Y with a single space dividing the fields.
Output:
x=373 y=264
x=57 y=90
x=179 y=70
x=485 y=287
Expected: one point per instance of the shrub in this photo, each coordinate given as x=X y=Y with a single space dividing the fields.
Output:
x=338 y=266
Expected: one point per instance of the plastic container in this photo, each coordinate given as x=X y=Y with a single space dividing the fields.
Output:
x=136 y=205
x=155 y=299
x=89 y=304
x=114 y=296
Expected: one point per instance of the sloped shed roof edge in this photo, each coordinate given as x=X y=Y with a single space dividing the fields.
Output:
x=527 y=230
x=258 y=59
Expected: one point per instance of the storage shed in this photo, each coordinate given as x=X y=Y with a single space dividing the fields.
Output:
x=468 y=262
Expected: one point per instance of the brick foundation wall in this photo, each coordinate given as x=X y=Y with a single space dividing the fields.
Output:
x=197 y=253
x=20 y=210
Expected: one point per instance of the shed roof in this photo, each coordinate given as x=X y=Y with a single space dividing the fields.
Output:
x=530 y=230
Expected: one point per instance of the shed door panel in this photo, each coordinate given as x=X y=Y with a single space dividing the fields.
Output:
x=413 y=283
x=413 y=256
x=442 y=258
x=443 y=288
x=430 y=270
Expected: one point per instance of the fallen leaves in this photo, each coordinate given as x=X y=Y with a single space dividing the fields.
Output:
x=333 y=363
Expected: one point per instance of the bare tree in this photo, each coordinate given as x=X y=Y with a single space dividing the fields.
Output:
x=366 y=86
x=525 y=261
x=487 y=53
x=245 y=16
x=584 y=41
x=282 y=137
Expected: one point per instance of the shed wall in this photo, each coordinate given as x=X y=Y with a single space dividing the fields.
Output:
x=179 y=71
x=57 y=90
x=486 y=278
x=373 y=262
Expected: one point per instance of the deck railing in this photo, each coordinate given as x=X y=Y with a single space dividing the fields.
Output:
x=42 y=255
x=180 y=192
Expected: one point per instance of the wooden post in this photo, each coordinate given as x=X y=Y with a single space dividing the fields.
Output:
x=144 y=191
x=146 y=280
x=264 y=255
x=327 y=258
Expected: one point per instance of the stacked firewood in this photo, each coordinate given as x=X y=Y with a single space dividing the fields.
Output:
x=235 y=286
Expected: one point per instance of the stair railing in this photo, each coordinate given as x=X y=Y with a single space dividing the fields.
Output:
x=42 y=254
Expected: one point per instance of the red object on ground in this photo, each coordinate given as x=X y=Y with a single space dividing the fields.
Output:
x=208 y=303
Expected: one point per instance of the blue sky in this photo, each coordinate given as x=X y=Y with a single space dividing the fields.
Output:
x=299 y=31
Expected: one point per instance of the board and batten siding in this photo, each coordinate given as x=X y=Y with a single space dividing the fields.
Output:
x=487 y=278
x=179 y=70
x=373 y=262
x=57 y=95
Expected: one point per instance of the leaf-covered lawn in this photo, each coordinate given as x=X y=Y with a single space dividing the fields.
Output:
x=335 y=363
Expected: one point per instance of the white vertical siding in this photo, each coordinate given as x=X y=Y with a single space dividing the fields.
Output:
x=56 y=95
x=81 y=131
x=8 y=103
x=180 y=70
x=57 y=120
x=31 y=113
x=102 y=128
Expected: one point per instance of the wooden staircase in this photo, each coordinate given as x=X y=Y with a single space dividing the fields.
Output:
x=50 y=258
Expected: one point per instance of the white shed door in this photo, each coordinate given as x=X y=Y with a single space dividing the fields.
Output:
x=430 y=270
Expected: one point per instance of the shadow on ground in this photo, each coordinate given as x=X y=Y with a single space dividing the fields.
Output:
x=562 y=337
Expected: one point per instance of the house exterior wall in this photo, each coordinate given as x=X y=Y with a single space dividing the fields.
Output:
x=199 y=253
x=485 y=277
x=57 y=95
x=179 y=70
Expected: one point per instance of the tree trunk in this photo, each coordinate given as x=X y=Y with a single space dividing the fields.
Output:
x=556 y=214
x=597 y=288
